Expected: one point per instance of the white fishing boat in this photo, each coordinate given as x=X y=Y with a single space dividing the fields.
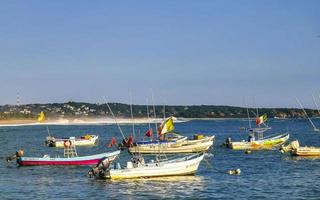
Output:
x=86 y=140
x=70 y=157
x=294 y=149
x=186 y=146
x=77 y=160
x=172 y=142
x=260 y=144
x=256 y=139
x=137 y=168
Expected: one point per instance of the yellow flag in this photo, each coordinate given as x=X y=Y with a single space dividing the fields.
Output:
x=167 y=126
x=41 y=117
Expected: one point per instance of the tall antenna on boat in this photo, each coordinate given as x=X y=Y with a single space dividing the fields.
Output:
x=48 y=131
x=148 y=114
x=154 y=111
x=115 y=119
x=132 y=121
x=255 y=105
x=315 y=102
x=249 y=120
x=155 y=117
x=164 y=111
x=314 y=127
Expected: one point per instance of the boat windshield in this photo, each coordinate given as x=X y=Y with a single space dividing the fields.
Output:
x=171 y=136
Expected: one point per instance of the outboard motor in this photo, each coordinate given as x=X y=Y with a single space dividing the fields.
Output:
x=17 y=154
x=50 y=141
x=137 y=161
x=294 y=145
x=99 y=169
x=227 y=143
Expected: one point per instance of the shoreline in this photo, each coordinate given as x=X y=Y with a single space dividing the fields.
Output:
x=104 y=121
x=83 y=121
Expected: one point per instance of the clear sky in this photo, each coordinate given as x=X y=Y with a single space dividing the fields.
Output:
x=264 y=53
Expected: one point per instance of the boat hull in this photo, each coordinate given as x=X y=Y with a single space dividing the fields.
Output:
x=306 y=151
x=195 y=141
x=170 y=143
x=176 y=167
x=59 y=143
x=81 y=160
x=186 y=147
x=265 y=144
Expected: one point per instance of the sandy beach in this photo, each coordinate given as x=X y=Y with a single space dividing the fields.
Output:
x=83 y=121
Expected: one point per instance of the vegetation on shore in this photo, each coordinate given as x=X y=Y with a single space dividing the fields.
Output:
x=89 y=110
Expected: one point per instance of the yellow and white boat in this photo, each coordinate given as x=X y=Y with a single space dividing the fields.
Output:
x=295 y=150
x=261 y=144
x=184 y=146
x=172 y=142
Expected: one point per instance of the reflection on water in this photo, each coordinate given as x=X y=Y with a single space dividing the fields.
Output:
x=173 y=179
x=301 y=157
x=168 y=187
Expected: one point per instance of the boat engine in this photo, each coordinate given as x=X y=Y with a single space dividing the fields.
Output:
x=227 y=143
x=100 y=169
x=17 y=154
x=50 y=141
x=290 y=147
x=137 y=161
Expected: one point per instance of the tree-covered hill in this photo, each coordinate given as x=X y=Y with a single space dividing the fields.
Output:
x=89 y=110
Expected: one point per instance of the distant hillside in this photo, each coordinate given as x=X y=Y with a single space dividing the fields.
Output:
x=89 y=110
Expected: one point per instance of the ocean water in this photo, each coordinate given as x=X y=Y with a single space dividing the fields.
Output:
x=265 y=174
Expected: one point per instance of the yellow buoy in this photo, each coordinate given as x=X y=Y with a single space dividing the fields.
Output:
x=247 y=152
x=234 y=172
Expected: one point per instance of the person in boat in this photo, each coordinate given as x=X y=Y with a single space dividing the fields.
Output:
x=251 y=137
x=227 y=142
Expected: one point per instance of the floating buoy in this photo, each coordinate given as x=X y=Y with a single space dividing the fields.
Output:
x=234 y=172
x=67 y=143
x=247 y=152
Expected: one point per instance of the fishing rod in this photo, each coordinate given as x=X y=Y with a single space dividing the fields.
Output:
x=314 y=127
x=115 y=119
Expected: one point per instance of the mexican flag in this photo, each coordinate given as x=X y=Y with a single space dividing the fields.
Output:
x=261 y=119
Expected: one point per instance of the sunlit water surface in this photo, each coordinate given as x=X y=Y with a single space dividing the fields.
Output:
x=265 y=174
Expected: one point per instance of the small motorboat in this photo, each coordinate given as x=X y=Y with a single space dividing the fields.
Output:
x=169 y=141
x=256 y=139
x=137 y=168
x=70 y=157
x=86 y=140
x=196 y=145
x=260 y=144
x=78 y=160
x=294 y=149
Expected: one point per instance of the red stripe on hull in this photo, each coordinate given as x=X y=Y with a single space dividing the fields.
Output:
x=81 y=162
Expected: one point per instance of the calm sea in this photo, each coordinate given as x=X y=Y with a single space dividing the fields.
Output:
x=265 y=174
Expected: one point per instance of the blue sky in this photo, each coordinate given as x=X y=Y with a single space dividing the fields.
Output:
x=264 y=53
